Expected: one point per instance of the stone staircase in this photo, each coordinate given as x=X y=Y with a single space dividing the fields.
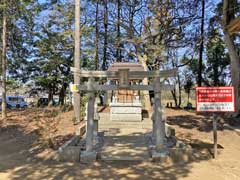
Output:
x=105 y=123
x=124 y=148
x=124 y=141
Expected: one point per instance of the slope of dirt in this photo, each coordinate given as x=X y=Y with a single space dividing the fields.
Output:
x=23 y=155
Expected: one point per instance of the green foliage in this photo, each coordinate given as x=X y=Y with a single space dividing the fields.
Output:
x=217 y=58
x=191 y=68
x=12 y=84
x=41 y=40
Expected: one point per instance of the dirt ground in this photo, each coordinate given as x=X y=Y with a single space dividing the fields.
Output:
x=29 y=138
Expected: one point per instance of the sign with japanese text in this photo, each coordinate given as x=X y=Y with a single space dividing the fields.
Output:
x=215 y=99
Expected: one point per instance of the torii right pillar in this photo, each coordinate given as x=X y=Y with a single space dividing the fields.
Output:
x=159 y=122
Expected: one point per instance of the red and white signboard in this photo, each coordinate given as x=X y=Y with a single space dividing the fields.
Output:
x=215 y=99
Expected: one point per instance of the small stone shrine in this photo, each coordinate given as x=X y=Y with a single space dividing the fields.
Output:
x=125 y=105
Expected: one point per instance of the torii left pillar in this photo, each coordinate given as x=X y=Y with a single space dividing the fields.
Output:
x=90 y=154
x=159 y=124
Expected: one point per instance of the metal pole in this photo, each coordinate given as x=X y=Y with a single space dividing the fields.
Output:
x=215 y=136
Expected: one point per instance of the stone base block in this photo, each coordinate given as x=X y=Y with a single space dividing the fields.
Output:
x=126 y=108
x=70 y=154
x=180 y=155
x=170 y=131
x=87 y=157
x=159 y=156
x=126 y=111
x=71 y=150
x=126 y=117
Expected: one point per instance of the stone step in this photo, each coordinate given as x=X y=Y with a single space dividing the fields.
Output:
x=125 y=123
x=110 y=157
x=124 y=148
x=124 y=126
x=102 y=128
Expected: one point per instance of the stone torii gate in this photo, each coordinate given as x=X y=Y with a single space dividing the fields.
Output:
x=123 y=75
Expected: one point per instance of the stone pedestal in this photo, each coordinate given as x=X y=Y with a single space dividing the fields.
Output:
x=88 y=156
x=71 y=150
x=125 y=111
x=159 y=156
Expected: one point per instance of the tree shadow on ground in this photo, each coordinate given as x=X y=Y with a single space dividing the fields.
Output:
x=21 y=162
x=201 y=123
x=38 y=169
x=100 y=171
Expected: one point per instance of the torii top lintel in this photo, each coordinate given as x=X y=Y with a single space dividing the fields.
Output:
x=132 y=74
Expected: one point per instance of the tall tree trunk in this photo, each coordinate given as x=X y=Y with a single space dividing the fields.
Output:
x=62 y=94
x=77 y=97
x=50 y=95
x=200 y=66
x=235 y=62
x=105 y=17
x=179 y=91
x=4 y=47
x=97 y=38
x=174 y=95
x=215 y=71
x=143 y=60
x=119 y=52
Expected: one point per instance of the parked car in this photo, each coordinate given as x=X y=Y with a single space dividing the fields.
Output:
x=15 y=102
x=42 y=102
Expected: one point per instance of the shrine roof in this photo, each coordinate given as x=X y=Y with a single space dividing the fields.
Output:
x=132 y=66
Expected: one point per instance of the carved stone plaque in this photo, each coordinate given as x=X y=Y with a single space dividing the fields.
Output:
x=123 y=78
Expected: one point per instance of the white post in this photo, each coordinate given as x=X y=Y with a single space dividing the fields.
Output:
x=90 y=118
x=160 y=132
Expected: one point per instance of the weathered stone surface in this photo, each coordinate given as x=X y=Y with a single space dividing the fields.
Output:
x=170 y=131
x=80 y=131
x=126 y=111
x=180 y=155
x=159 y=156
x=125 y=104
x=70 y=154
x=87 y=157
x=126 y=117
x=126 y=108
x=71 y=150
x=95 y=127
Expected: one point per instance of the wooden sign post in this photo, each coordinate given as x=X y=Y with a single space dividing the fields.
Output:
x=215 y=135
x=215 y=99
